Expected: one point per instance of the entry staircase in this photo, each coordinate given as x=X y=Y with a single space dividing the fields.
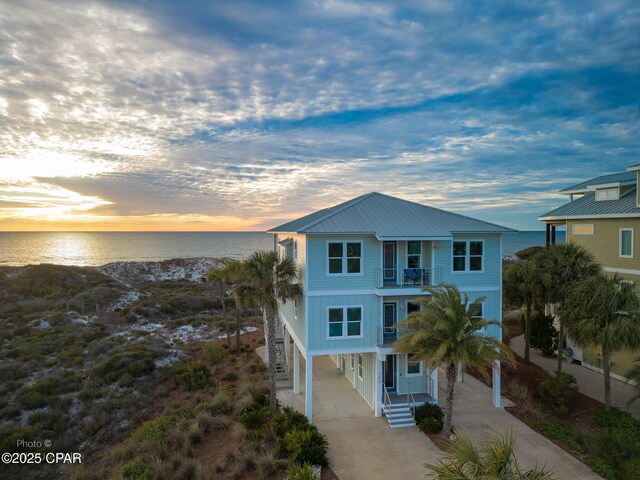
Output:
x=282 y=366
x=399 y=415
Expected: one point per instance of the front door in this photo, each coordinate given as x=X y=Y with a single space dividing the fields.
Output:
x=390 y=373
x=389 y=319
x=389 y=260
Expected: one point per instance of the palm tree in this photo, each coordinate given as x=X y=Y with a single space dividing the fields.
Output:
x=493 y=458
x=447 y=331
x=234 y=272
x=602 y=311
x=560 y=267
x=219 y=276
x=522 y=285
x=266 y=281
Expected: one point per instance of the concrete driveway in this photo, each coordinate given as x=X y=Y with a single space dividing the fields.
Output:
x=362 y=446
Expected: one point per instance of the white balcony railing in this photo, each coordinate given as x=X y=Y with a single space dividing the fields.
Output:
x=406 y=277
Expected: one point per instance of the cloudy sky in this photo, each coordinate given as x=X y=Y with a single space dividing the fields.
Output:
x=238 y=115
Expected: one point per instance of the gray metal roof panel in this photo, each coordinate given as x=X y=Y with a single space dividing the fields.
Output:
x=386 y=216
x=588 y=206
x=603 y=180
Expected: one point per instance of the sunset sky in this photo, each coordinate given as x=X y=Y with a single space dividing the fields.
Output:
x=238 y=115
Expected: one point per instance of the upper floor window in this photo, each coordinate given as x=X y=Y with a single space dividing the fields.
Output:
x=344 y=258
x=468 y=255
x=607 y=193
x=626 y=242
x=414 y=253
x=345 y=322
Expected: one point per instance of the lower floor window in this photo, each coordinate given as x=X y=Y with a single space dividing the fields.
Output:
x=413 y=367
x=360 y=366
x=345 y=322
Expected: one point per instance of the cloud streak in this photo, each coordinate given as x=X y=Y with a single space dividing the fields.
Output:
x=175 y=114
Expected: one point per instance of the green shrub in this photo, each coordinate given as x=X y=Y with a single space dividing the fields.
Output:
x=230 y=377
x=135 y=471
x=289 y=420
x=570 y=436
x=221 y=404
x=215 y=353
x=193 y=376
x=555 y=391
x=615 y=447
x=631 y=468
x=301 y=472
x=253 y=418
x=156 y=430
x=544 y=336
x=616 y=420
x=429 y=418
x=306 y=446
x=601 y=467
x=121 y=366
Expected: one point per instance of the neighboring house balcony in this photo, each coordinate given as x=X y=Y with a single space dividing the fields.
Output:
x=405 y=281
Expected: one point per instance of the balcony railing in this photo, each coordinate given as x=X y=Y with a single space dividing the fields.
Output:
x=406 y=277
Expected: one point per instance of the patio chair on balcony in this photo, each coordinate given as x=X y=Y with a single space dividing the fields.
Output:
x=412 y=275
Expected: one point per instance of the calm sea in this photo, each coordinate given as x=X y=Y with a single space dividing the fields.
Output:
x=99 y=248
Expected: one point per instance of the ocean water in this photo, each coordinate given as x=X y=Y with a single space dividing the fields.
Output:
x=99 y=248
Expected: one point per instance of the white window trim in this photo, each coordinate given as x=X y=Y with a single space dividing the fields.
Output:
x=344 y=258
x=481 y=311
x=345 y=323
x=467 y=257
x=353 y=361
x=406 y=368
x=419 y=255
x=360 y=366
x=626 y=229
x=573 y=228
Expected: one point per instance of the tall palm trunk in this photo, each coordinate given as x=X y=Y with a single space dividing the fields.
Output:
x=606 y=367
x=560 y=346
x=270 y=332
x=527 y=333
x=223 y=294
x=451 y=373
x=237 y=326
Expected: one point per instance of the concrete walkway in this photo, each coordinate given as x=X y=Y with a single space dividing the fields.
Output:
x=362 y=446
x=590 y=382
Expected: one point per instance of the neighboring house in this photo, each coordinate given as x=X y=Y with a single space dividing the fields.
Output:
x=363 y=264
x=604 y=217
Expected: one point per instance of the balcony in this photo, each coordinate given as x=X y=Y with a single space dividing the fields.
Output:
x=405 y=281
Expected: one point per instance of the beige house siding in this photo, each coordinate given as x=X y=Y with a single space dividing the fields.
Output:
x=621 y=362
x=605 y=242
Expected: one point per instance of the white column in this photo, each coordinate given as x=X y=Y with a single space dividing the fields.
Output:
x=287 y=346
x=296 y=369
x=377 y=402
x=308 y=389
x=496 y=385
x=434 y=379
x=460 y=377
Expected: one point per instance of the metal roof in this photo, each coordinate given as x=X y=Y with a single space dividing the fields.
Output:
x=623 y=177
x=588 y=207
x=388 y=217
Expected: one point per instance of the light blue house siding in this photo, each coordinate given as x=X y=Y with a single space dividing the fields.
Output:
x=319 y=278
x=364 y=385
x=491 y=263
x=318 y=327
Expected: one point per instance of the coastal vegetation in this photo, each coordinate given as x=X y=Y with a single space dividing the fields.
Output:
x=93 y=363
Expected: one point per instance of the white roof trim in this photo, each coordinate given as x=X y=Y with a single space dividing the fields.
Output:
x=413 y=238
x=286 y=241
x=587 y=216
x=633 y=168
x=594 y=187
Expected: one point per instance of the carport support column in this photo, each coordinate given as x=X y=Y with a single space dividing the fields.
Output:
x=434 y=380
x=377 y=403
x=308 y=388
x=296 y=369
x=496 y=384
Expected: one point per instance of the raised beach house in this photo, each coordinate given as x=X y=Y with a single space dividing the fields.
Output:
x=603 y=215
x=362 y=267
